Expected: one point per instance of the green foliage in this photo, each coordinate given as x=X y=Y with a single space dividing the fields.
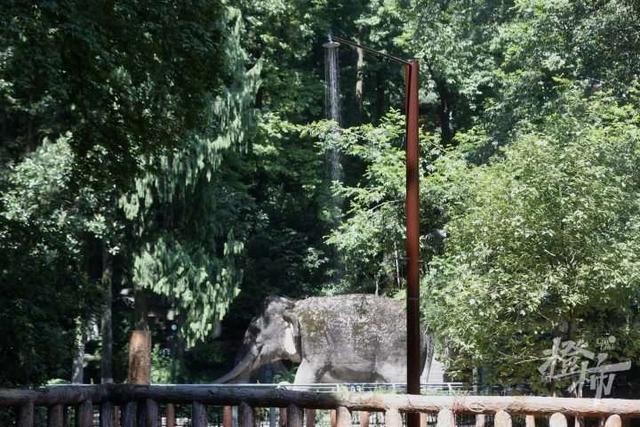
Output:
x=367 y=240
x=142 y=102
x=285 y=250
x=126 y=78
x=370 y=235
x=129 y=130
x=162 y=366
x=541 y=241
x=284 y=34
x=40 y=226
x=187 y=210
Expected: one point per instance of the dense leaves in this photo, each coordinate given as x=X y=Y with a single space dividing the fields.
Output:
x=39 y=227
x=543 y=242
x=123 y=78
x=171 y=160
x=115 y=119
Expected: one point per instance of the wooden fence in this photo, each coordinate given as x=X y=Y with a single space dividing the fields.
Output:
x=139 y=405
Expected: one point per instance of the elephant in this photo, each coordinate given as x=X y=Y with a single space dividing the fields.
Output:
x=353 y=338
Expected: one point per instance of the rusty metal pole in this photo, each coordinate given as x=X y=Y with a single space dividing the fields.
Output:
x=413 y=238
x=413 y=220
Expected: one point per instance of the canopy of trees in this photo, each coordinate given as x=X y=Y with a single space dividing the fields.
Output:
x=165 y=166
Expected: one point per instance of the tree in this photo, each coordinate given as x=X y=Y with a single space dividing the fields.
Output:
x=187 y=210
x=457 y=42
x=542 y=242
x=125 y=78
x=41 y=225
x=368 y=234
x=141 y=102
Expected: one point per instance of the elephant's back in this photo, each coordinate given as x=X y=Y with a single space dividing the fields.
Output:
x=353 y=329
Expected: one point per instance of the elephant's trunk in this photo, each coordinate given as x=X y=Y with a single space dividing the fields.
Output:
x=244 y=366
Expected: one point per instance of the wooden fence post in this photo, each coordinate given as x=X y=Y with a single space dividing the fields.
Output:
x=25 y=415
x=446 y=418
x=272 y=417
x=392 y=418
x=151 y=416
x=294 y=416
x=613 y=421
x=129 y=415
x=282 y=422
x=558 y=420
x=310 y=417
x=55 y=416
x=141 y=414
x=170 y=413
x=502 y=419
x=246 y=414
x=227 y=417
x=343 y=417
x=364 y=418
x=198 y=414
x=85 y=414
x=106 y=414
x=424 y=419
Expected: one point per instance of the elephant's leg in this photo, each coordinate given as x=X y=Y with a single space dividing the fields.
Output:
x=391 y=372
x=307 y=373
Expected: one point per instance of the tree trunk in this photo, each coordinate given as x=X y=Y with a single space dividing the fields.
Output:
x=77 y=369
x=359 y=83
x=106 y=328
x=396 y=257
x=139 y=357
x=380 y=94
x=140 y=344
x=444 y=111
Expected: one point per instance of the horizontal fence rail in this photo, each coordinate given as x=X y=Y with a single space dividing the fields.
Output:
x=146 y=405
x=337 y=387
